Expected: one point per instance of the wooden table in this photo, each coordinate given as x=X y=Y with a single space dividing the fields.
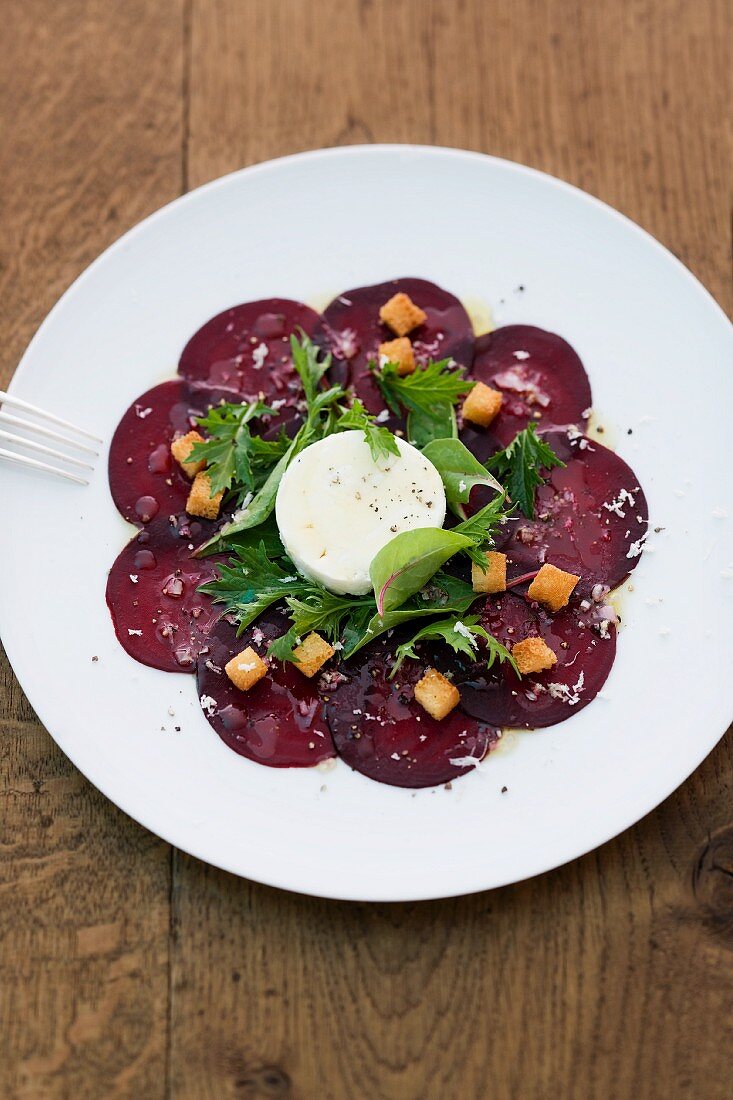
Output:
x=131 y=970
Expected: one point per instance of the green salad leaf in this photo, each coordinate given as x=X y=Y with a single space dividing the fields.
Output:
x=518 y=467
x=436 y=384
x=481 y=527
x=251 y=583
x=438 y=423
x=267 y=534
x=408 y=561
x=462 y=635
x=231 y=451
x=442 y=594
x=307 y=362
x=381 y=442
x=324 y=612
x=460 y=472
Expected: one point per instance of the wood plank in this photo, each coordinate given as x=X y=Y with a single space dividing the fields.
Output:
x=611 y=978
x=91 y=119
x=84 y=922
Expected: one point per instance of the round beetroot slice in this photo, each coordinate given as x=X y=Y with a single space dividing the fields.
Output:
x=540 y=376
x=351 y=330
x=145 y=480
x=159 y=617
x=584 y=642
x=591 y=517
x=279 y=721
x=245 y=351
x=380 y=730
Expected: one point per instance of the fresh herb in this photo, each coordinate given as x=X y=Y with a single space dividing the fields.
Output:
x=251 y=583
x=424 y=389
x=408 y=561
x=429 y=395
x=309 y=366
x=481 y=526
x=381 y=442
x=460 y=472
x=444 y=594
x=461 y=635
x=230 y=450
x=322 y=611
x=518 y=467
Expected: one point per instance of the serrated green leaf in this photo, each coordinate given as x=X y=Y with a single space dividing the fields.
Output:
x=381 y=442
x=427 y=387
x=462 y=635
x=518 y=467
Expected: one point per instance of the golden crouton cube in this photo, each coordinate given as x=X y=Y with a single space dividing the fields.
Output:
x=200 y=501
x=533 y=655
x=400 y=353
x=552 y=587
x=482 y=404
x=493 y=579
x=246 y=669
x=436 y=695
x=401 y=314
x=312 y=654
x=181 y=449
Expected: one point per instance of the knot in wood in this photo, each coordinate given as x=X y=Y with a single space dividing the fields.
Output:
x=264 y=1083
x=712 y=882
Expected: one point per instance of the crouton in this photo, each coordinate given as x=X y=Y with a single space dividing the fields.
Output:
x=401 y=314
x=533 y=655
x=436 y=695
x=552 y=587
x=181 y=449
x=312 y=654
x=482 y=405
x=400 y=353
x=200 y=501
x=246 y=669
x=493 y=579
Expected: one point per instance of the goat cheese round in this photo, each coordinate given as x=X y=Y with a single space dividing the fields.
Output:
x=336 y=507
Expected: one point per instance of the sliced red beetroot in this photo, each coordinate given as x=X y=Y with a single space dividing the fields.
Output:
x=279 y=721
x=541 y=378
x=159 y=617
x=145 y=481
x=381 y=731
x=584 y=642
x=591 y=517
x=245 y=351
x=351 y=330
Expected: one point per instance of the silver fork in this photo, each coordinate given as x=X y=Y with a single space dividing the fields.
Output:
x=21 y=441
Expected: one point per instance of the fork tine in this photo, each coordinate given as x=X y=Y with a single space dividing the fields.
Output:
x=31 y=445
x=19 y=403
x=48 y=433
x=26 y=460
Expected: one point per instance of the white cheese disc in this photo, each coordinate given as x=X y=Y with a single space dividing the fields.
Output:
x=336 y=507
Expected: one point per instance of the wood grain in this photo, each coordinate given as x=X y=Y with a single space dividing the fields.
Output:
x=611 y=978
x=91 y=129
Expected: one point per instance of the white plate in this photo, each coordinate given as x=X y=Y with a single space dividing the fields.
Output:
x=658 y=350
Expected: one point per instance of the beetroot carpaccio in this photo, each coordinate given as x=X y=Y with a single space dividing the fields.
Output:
x=590 y=522
x=351 y=330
